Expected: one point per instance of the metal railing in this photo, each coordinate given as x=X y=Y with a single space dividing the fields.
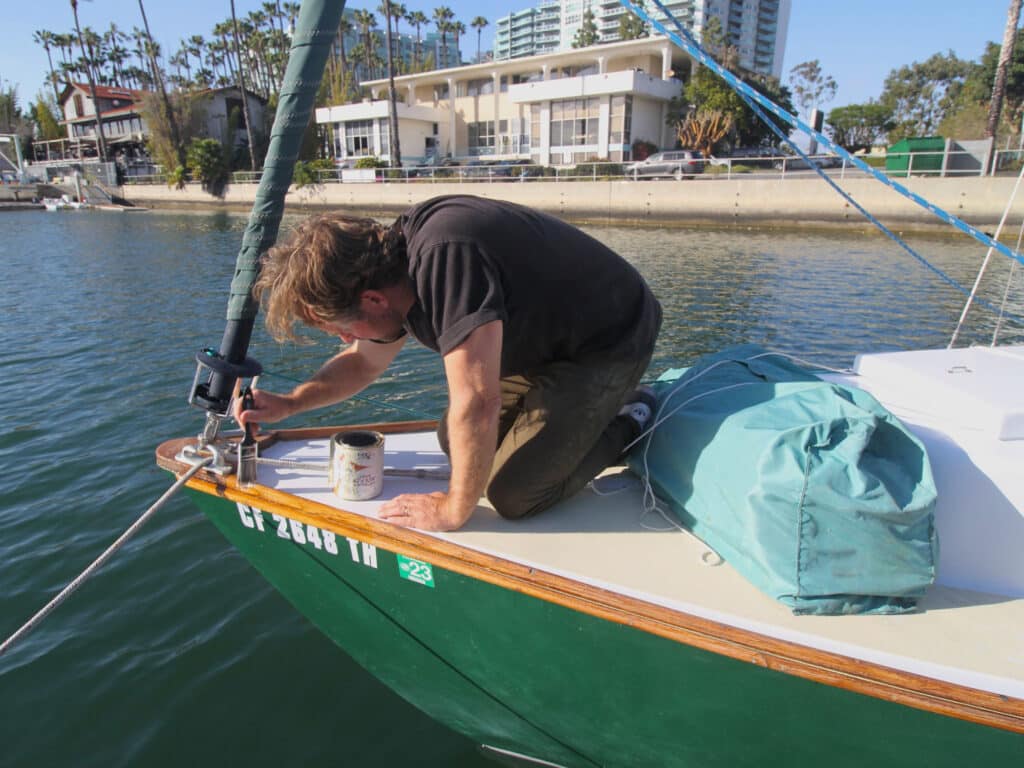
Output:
x=469 y=171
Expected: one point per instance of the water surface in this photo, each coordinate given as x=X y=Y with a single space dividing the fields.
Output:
x=177 y=652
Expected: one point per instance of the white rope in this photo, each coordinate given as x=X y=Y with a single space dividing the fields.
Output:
x=1006 y=293
x=651 y=504
x=988 y=257
x=99 y=561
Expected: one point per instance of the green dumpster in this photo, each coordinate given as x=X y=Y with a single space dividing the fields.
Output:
x=921 y=155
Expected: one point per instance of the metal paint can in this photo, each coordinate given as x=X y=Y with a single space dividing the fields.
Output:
x=357 y=464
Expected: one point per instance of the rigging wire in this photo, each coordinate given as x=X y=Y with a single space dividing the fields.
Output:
x=984 y=263
x=690 y=46
x=752 y=97
x=96 y=564
x=1006 y=291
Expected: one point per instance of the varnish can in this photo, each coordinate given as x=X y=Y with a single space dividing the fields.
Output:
x=357 y=464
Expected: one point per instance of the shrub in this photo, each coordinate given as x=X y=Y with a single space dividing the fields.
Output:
x=207 y=164
x=307 y=172
x=370 y=162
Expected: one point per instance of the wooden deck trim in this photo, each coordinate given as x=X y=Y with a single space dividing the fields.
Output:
x=868 y=678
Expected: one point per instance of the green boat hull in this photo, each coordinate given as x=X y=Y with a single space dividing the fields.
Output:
x=527 y=676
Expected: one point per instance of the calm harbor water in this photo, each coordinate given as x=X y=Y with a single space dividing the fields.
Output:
x=177 y=652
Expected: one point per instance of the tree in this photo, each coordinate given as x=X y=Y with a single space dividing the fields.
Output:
x=478 y=24
x=859 y=126
x=365 y=20
x=587 y=34
x=45 y=116
x=631 y=27
x=703 y=129
x=101 y=144
x=395 y=149
x=443 y=16
x=922 y=94
x=417 y=19
x=811 y=87
x=245 y=95
x=706 y=91
x=45 y=38
x=1005 y=54
x=169 y=115
x=457 y=29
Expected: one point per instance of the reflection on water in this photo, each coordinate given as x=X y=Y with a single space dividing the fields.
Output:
x=178 y=651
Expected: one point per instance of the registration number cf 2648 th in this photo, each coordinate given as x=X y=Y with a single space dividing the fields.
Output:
x=415 y=571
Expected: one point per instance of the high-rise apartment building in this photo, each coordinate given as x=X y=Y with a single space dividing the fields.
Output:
x=757 y=28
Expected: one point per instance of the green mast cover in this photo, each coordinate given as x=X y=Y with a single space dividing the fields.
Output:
x=315 y=31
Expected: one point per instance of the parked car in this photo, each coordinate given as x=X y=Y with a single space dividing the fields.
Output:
x=427 y=168
x=676 y=163
x=796 y=163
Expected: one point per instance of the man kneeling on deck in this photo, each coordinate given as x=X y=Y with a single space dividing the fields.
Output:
x=544 y=332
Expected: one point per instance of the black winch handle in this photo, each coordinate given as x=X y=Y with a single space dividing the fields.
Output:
x=248 y=404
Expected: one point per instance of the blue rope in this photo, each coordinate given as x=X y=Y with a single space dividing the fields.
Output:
x=693 y=49
x=846 y=195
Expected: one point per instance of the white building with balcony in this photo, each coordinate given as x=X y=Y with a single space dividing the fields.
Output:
x=587 y=104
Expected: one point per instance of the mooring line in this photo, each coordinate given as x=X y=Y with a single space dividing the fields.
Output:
x=99 y=561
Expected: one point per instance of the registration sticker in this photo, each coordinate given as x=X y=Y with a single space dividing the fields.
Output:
x=416 y=570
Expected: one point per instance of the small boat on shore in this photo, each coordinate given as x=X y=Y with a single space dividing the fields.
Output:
x=64 y=203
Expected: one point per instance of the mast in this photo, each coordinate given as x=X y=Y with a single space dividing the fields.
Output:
x=311 y=43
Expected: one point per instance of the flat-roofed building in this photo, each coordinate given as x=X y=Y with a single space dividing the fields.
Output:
x=561 y=108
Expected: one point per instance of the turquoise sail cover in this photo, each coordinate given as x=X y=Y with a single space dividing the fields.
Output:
x=813 y=491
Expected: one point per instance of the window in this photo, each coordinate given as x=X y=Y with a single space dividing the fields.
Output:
x=574 y=122
x=79 y=109
x=480 y=87
x=481 y=138
x=620 y=119
x=359 y=138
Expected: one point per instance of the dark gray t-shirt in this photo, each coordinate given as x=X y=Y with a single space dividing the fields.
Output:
x=560 y=293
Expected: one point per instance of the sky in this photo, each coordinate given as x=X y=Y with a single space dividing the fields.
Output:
x=857 y=42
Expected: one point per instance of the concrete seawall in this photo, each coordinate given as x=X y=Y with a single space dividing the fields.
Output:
x=744 y=202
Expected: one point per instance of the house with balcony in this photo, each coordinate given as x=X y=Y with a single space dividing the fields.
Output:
x=585 y=104
x=124 y=126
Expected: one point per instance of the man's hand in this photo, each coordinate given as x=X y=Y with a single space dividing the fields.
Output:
x=266 y=406
x=426 y=511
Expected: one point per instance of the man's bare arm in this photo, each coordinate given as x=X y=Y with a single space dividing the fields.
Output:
x=474 y=389
x=346 y=374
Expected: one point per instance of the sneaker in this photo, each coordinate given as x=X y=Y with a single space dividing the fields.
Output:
x=640 y=406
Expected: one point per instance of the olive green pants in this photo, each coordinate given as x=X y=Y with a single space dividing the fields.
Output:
x=557 y=430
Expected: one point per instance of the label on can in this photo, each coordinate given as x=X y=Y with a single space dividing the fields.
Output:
x=357 y=464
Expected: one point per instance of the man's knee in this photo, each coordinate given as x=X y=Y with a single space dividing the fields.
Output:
x=510 y=501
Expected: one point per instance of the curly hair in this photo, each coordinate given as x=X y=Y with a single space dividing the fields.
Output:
x=320 y=272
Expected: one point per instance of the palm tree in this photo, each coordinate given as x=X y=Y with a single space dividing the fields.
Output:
x=1005 y=54
x=457 y=28
x=442 y=20
x=245 y=96
x=398 y=11
x=344 y=27
x=478 y=24
x=365 y=20
x=101 y=144
x=172 y=122
x=394 y=149
x=292 y=11
x=417 y=19
x=45 y=38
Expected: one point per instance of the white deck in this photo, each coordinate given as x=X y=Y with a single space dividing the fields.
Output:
x=973 y=638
